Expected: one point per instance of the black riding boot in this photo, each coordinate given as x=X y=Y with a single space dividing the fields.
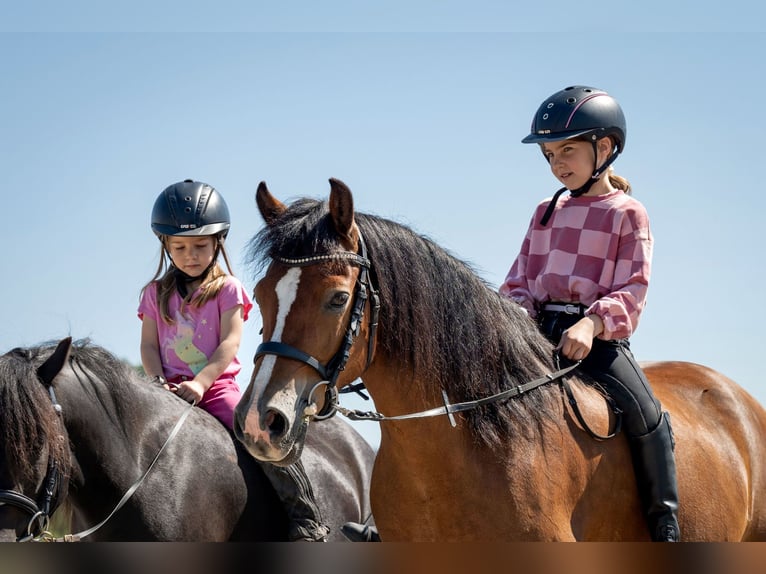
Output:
x=356 y=532
x=655 y=468
x=295 y=491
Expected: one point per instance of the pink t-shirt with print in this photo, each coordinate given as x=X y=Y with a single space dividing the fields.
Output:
x=187 y=343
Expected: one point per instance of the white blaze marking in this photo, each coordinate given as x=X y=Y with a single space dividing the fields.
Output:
x=287 y=290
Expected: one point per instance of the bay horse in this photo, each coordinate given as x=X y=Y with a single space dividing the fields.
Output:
x=479 y=438
x=81 y=427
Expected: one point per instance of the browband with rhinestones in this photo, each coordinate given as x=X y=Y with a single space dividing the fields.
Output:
x=304 y=261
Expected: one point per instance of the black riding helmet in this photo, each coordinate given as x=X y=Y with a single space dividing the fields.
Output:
x=579 y=112
x=190 y=208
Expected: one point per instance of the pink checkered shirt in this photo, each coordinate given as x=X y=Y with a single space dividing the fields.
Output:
x=596 y=251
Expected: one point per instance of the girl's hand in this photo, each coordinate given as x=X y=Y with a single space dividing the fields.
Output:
x=190 y=391
x=577 y=341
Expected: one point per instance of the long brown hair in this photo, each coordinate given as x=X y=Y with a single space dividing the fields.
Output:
x=165 y=278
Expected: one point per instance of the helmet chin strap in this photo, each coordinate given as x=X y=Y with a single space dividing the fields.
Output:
x=580 y=190
x=183 y=279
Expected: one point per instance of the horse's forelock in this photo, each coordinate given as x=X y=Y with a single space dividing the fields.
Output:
x=28 y=420
x=304 y=229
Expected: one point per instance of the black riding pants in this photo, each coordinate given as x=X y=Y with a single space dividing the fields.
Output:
x=612 y=364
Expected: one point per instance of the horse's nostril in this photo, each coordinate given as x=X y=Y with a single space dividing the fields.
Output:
x=276 y=423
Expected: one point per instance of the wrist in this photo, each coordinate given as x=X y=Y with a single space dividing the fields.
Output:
x=205 y=385
x=598 y=324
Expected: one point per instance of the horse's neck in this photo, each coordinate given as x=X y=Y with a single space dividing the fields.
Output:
x=105 y=422
x=397 y=392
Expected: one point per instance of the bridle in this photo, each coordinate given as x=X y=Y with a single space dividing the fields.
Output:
x=40 y=514
x=39 y=511
x=331 y=371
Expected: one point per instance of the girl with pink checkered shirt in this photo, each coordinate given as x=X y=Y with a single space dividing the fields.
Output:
x=583 y=273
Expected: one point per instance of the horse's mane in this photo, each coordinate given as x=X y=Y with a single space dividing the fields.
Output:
x=442 y=321
x=109 y=381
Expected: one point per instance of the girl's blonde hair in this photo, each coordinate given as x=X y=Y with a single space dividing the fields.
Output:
x=211 y=285
x=618 y=181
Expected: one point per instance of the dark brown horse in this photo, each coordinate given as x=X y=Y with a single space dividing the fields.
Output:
x=519 y=467
x=80 y=427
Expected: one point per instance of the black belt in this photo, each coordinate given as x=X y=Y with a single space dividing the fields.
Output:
x=568 y=308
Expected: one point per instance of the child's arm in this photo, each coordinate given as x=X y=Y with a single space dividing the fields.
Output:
x=577 y=341
x=232 y=322
x=150 y=348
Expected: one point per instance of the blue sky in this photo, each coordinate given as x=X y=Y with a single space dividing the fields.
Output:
x=421 y=116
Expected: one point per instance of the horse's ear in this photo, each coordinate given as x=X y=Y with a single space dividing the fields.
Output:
x=341 y=207
x=53 y=364
x=269 y=206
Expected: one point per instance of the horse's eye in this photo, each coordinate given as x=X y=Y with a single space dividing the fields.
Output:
x=339 y=300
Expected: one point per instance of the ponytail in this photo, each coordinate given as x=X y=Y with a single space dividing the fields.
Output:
x=618 y=181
